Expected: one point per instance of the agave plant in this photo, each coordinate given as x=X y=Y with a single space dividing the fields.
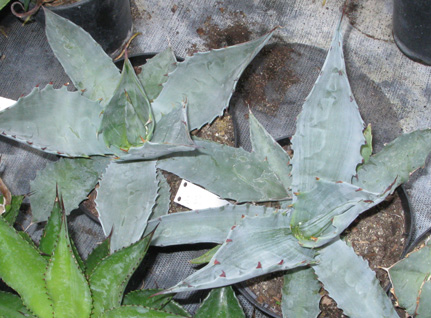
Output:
x=327 y=184
x=52 y=280
x=116 y=124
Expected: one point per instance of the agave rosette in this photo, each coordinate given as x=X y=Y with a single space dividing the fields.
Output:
x=327 y=184
x=51 y=279
x=114 y=126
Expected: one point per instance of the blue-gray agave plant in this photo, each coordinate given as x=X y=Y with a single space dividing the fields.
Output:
x=115 y=124
x=325 y=186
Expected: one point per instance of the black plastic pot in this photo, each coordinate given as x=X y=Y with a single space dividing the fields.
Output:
x=109 y=22
x=412 y=29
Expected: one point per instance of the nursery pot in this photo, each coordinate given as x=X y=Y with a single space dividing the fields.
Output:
x=412 y=29
x=109 y=22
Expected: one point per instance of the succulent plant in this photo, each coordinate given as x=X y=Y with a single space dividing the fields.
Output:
x=116 y=124
x=327 y=184
x=52 y=280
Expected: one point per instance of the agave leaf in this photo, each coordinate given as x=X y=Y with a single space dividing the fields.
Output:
x=74 y=177
x=266 y=148
x=205 y=258
x=11 y=306
x=110 y=277
x=97 y=255
x=56 y=121
x=88 y=66
x=339 y=268
x=211 y=79
x=137 y=311
x=171 y=135
x=66 y=284
x=77 y=256
x=128 y=118
x=3 y=3
x=323 y=213
x=257 y=246
x=175 y=308
x=301 y=293
x=125 y=199
x=328 y=134
x=221 y=302
x=231 y=173
x=146 y=298
x=409 y=277
x=22 y=268
x=395 y=162
x=52 y=229
x=424 y=308
x=51 y=233
x=163 y=200
x=12 y=210
x=200 y=226
x=155 y=72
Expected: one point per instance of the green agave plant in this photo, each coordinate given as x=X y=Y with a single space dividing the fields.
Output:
x=329 y=181
x=116 y=124
x=52 y=280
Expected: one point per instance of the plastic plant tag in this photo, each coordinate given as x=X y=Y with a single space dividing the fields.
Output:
x=5 y=103
x=194 y=197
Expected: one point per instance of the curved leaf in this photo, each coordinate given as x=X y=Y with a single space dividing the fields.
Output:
x=3 y=3
x=200 y=226
x=205 y=258
x=221 y=302
x=74 y=177
x=328 y=134
x=146 y=298
x=176 y=308
x=23 y=268
x=300 y=294
x=231 y=173
x=52 y=229
x=66 y=284
x=351 y=283
x=97 y=255
x=393 y=165
x=210 y=80
x=409 y=277
x=125 y=199
x=257 y=246
x=55 y=121
x=266 y=148
x=11 y=306
x=110 y=277
x=12 y=210
x=155 y=72
x=88 y=66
